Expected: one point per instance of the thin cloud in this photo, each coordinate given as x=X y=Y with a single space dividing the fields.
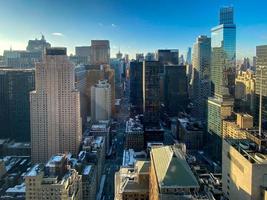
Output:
x=58 y=34
x=114 y=25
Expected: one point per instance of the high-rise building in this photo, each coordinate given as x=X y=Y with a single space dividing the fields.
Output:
x=38 y=45
x=223 y=61
x=15 y=86
x=132 y=182
x=201 y=76
x=261 y=75
x=175 y=89
x=245 y=91
x=99 y=52
x=244 y=170
x=168 y=56
x=223 y=43
x=139 y=57
x=56 y=180
x=136 y=87
x=101 y=101
x=151 y=91
x=21 y=58
x=82 y=55
x=54 y=107
x=189 y=56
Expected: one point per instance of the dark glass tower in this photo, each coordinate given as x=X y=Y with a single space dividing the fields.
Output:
x=136 y=87
x=15 y=86
x=175 y=89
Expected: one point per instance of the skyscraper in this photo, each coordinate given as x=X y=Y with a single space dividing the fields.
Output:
x=223 y=43
x=201 y=75
x=99 y=52
x=175 y=89
x=189 y=56
x=168 y=56
x=55 y=107
x=136 y=87
x=15 y=86
x=38 y=45
x=261 y=75
x=82 y=55
x=101 y=101
x=151 y=97
x=223 y=60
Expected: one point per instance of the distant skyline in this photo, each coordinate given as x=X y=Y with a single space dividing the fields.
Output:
x=133 y=26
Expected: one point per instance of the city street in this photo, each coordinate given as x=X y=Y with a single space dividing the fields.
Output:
x=114 y=162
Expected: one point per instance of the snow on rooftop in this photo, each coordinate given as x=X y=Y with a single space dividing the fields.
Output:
x=17 y=189
x=87 y=169
x=34 y=170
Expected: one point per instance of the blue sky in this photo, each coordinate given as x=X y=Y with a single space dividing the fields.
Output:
x=133 y=25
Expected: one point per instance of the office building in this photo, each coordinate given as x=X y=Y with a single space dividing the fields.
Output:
x=93 y=154
x=55 y=180
x=223 y=43
x=218 y=110
x=175 y=89
x=21 y=58
x=38 y=45
x=261 y=75
x=54 y=107
x=139 y=57
x=223 y=61
x=15 y=86
x=189 y=56
x=101 y=101
x=82 y=55
x=99 y=52
x=244 y=170
x=245 y=91
x=170 y=175
x=191 y=133
x=132 y=183
x=136 y=87
x=102 y=129
x=134 y=134
x=151 y=97
x=201 y=76
x=168 y=56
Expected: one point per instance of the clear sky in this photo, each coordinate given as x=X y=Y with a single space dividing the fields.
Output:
x=133 y=25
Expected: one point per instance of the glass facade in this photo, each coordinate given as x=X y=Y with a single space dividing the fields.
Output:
x=15 y=86
x=223 y=43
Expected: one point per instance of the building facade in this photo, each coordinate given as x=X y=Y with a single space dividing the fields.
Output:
x=99 y=52
x=101 y=101
x=55 y=180
x=54 y=107
x=136 y=87
x=15 y=87
x=201 y=76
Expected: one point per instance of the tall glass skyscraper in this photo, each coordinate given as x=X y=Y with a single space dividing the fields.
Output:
x=223 y=43
x=223 y=62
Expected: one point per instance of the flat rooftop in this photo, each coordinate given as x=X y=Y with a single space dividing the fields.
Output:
x=249 y=150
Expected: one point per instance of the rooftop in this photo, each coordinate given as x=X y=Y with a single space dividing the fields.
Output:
x=133 y=126
x=55 y=159
x=130 y=157
x=249 y=150
x=87 y=170
x=171 y=168
x=34 y=171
